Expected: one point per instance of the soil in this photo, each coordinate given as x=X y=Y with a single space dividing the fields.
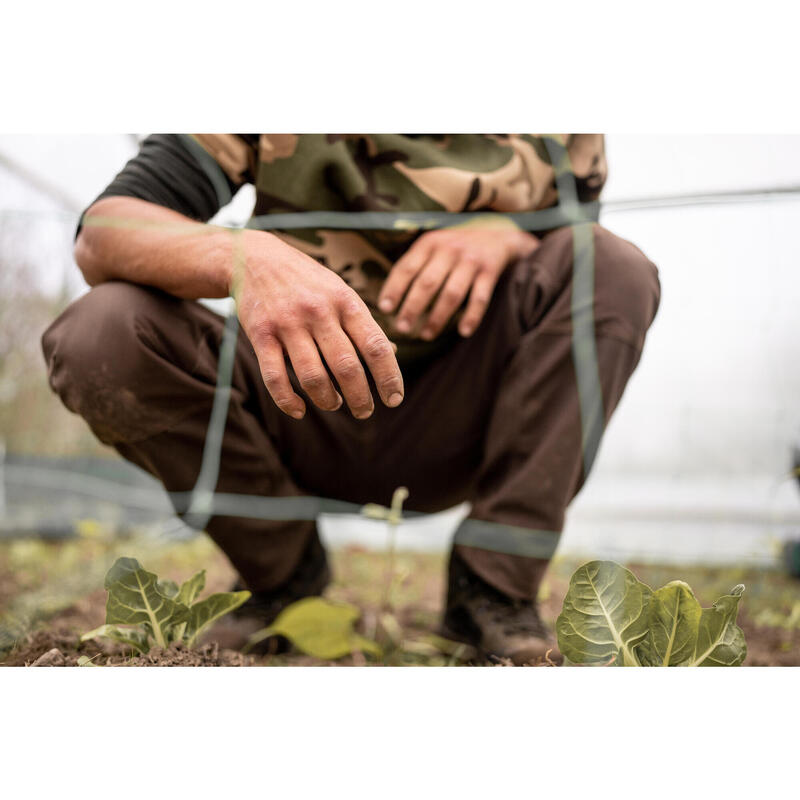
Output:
x=57 y=648
x=770 y=647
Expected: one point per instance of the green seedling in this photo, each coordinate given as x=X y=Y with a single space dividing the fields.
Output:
x=143 y=611
x=393 y=517
x=609 y=616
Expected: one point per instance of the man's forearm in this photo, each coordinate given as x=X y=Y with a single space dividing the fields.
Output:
x=124 y=238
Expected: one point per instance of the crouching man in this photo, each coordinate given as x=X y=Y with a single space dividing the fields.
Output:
x=478 y=362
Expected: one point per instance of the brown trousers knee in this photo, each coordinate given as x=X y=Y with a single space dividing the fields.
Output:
x=494 y=419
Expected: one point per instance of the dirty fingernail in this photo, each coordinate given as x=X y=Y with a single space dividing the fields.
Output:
x=395 y=399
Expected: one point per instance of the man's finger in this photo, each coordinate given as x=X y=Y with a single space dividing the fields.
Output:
x=378 y=353
x=276 y=379
x=450 y=298
x=311 y=371
x=479 y=299
x=401 y=275
x=424 y=288
x=343 y=362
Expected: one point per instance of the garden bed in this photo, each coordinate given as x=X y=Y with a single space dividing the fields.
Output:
x=50 y=593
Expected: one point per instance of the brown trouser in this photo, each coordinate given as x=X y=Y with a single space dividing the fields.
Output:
x=494 y=419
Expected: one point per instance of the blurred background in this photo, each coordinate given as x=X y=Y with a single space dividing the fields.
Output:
x=696 y=466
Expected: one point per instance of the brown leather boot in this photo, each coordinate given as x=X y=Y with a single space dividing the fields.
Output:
x=480 y=615
x=308 y=580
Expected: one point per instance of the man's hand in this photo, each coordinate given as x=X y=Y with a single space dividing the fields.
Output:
x=452 y=263
x=289 y=303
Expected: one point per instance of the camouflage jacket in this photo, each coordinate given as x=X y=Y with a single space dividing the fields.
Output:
x=396 y=172
x=360 y=172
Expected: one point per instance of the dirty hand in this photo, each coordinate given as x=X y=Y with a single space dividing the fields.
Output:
x=289 y=304
x=452 y=263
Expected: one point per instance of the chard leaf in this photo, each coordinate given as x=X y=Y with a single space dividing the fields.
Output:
x=168 y=588
x=134 y=599
x=319 y=628
x=135 y=638
x=207 y=611
x=604 y=615
x=191 y=588
x=720 y=641
x=673 y=617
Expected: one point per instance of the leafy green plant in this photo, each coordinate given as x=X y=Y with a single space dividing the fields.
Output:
x=609 y=616
x=143 y=611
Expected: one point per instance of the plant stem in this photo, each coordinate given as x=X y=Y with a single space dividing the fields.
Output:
x=393 y=519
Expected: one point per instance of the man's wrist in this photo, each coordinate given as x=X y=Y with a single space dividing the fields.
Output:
x=524 y=243
x=240 y=247
x=520 y=243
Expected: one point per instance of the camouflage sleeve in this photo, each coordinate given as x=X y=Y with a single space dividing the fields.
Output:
x=236 y=154
x=587 y=155
x=194 y=175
